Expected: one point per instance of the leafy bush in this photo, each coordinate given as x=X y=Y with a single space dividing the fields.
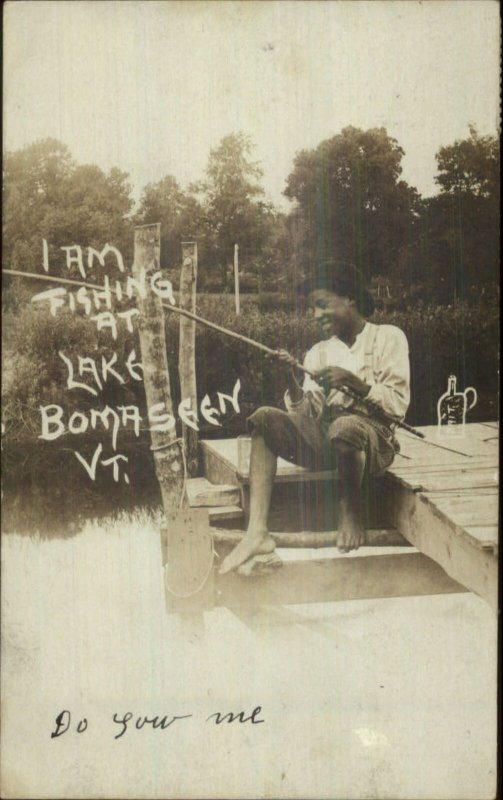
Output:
x=264 y=301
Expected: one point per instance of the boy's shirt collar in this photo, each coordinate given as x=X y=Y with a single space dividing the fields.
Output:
x=353 y=346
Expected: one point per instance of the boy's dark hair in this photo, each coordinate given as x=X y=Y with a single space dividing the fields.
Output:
x=343 y=279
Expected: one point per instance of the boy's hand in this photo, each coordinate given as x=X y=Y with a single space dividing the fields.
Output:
x=337 y=377
x=284 y=358
x=289 y=363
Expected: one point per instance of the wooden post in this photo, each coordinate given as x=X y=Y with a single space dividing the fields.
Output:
x=236 y=277
x=186 y=542
x=187 y=351
x=167 y=452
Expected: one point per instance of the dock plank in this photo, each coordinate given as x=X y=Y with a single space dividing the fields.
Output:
x=467 y=509
x=459 y=466
x=436 y=465
x=478 y=440
x=202 y=493
x=493 y=425
x=221 y=461
x=442 y=480
x=474 y=431
x=222 y=513
x=459 y=451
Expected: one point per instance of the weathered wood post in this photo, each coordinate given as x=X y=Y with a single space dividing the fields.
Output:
x=186 y=542
x=236 y=278
x=167 y=451
x=187 y=351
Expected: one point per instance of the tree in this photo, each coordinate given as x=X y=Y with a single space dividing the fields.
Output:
x=273 y=264
x=95 y=205
x=461 y=224
x=470 y=166
x=235 y=212
x=351 y=202
x=33 y=178
x=47 y=195
x=179 y=213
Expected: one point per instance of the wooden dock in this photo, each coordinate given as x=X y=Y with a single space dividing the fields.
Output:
x=444 y=504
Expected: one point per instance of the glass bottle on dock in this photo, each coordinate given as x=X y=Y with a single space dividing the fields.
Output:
x=452 y=407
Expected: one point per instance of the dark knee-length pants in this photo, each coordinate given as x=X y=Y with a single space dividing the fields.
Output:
x=307 y=441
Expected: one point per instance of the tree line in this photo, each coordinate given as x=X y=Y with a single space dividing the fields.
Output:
x=348 y=199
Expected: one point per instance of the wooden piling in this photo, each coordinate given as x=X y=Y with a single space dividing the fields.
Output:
x=167 y=451
x=187 y=550
x=187 y=351
x=236 y=278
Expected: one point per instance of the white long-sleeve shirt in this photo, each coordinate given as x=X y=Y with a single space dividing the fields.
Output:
x=379 y=356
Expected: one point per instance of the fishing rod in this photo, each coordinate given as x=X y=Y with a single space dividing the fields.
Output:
x=298 y=365
x=373 y=407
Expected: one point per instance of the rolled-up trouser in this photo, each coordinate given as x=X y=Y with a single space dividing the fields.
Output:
x=307 y=441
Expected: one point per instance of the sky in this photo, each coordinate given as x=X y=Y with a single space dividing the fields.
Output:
x=151 y=87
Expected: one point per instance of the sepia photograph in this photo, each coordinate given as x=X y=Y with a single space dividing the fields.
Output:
x=250 y=409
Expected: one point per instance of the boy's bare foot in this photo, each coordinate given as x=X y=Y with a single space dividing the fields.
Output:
x=257 y=566
x=254 y=543
x=350 y=537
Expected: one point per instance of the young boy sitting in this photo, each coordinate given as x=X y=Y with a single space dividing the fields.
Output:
x=323 y=427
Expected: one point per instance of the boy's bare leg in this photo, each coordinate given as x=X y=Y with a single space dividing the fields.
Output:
x=256 y=539
x=350 y=468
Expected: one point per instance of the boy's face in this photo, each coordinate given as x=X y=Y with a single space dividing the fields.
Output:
x=331 y=311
